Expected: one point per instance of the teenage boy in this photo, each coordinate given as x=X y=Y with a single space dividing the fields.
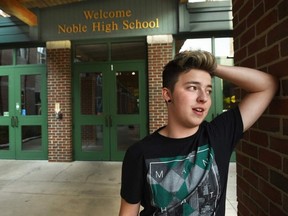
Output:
x=182 y=168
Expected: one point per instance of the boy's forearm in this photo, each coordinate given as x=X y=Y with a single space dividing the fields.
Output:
x=251 y=80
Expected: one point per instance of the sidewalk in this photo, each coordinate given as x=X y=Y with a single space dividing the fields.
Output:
x=70 y=189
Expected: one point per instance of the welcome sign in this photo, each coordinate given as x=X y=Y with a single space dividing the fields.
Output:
x=90 y=20
x=99 y=24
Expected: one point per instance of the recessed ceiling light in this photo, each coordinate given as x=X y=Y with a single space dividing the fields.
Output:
x=3 y=14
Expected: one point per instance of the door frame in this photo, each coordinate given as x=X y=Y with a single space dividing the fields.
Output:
x=14 y=94
x=109 y=111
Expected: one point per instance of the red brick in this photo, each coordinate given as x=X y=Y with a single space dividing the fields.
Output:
x=260 y=199
x=283 y=9
x=284 y=86
x=276 y=210
x=267 y=123
x=248 y=36
x=278 y=32
x=271 y=158
x=59 y=89
x=259 y=168
x=285 y=165
x=279 y=107
x=259 y=138
x=271 y=192
x=251 y=178
x=267 y=56
x=266 y=22
x=157 y=107
x=285 y=126
x=257 y=12
x=277 y=68
x=246 y=8
x=242 y=159
x=279 y=180
x=250 y=149
x=279 y=144
x=257 y=45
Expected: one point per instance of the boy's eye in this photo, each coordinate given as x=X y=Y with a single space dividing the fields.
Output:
x=209 y=91
x=192 y=88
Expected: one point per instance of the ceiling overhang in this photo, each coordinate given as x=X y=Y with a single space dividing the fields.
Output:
x=21 y=8
x=15 y=8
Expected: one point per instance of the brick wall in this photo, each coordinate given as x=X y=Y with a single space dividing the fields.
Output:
x=59 y=91
x=158 y=56
x=261 y=41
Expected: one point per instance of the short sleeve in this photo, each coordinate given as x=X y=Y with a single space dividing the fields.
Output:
x=132 y=176
x=225 y=131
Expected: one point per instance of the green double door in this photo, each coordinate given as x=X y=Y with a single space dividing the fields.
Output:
x=23 y=112
x=110 y=103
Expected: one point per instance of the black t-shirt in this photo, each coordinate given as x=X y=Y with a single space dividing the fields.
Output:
x=186 y=176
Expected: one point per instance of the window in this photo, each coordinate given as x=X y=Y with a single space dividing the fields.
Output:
x=23 y=56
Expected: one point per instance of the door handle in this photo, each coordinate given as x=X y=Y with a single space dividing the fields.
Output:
x=16 y=121
x=13 y=121
x=108 y=121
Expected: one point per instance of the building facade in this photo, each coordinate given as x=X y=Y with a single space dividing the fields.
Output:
x=260 y=41
x=85 y=82
x=82 y=81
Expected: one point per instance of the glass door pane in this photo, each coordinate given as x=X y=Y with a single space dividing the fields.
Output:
x=31 y=134
x=4 y=138
x=31 y=112
x=4 y=100
x=4 y=112
x=91 y=93
x=31 y=138
x=127 y=84
x=23 y=112
x=31 y=95
x=92 y=138
x=91 y=119
x=109 y=109
x=128 y=107
x=7 y=114
x=91 y=104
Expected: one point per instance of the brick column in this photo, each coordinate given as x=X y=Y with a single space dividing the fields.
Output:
x=59 y=91
x=260 y=41
x=159 y=53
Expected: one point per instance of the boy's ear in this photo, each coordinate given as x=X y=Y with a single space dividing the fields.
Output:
x=166 y=94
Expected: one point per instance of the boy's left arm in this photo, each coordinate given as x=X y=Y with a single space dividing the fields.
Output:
x=260 y=87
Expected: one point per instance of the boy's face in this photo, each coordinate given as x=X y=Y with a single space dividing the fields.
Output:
x=191 y=98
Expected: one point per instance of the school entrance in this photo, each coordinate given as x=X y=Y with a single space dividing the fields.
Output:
x=109 y=109
x=23 y=114
x=109 y=99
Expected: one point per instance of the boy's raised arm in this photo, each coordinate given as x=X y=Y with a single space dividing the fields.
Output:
x=260 y=88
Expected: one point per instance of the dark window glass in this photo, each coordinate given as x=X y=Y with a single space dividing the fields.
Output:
x=91 y=53
x=6 y=57
x=30 y=95
x=4 y=138
x=127 y=92
x=4 y=100
x=91 y=93
x=35 y=55
x=92 y=138
x=128 y=51
x=127 y=135
x=31 y=138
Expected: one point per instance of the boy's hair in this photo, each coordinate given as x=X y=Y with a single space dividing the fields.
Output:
x=184 y=62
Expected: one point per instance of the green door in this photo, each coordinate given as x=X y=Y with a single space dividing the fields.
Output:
x=109 y=109
x=23 y=118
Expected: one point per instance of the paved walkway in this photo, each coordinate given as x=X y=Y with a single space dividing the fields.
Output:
x=69 y=189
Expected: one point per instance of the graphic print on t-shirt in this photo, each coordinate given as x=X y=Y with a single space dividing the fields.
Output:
x=186 y=185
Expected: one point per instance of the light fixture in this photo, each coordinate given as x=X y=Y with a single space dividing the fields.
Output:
x=3 y=14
